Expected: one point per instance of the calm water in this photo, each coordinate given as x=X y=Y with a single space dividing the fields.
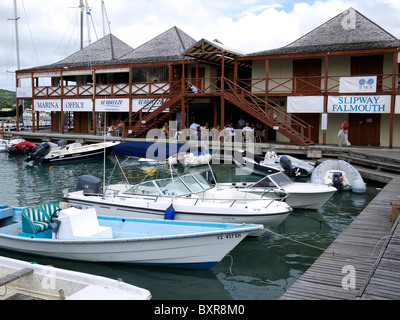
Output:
x=259 y=268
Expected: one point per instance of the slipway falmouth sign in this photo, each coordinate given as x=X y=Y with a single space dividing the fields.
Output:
x=359 y=104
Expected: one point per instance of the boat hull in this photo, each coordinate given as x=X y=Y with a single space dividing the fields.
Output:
x=173 y=246
x=74 y=285
x=298 y=196
x=188 y=209
x=94 y=151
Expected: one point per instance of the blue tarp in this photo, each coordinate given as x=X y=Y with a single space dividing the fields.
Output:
x=153 y=150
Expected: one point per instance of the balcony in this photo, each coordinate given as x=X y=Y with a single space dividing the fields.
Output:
x=210 y=87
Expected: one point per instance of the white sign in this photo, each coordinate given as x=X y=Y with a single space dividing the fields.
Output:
x=78 y=105
x=359 y=104
x=138 y=104
x=397 y=105
x=24 y=92
x=47 y=105
x=307 y=104
x=112 y=105
x=357 y=84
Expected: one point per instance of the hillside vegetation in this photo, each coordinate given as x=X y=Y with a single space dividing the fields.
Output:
x=7 y=98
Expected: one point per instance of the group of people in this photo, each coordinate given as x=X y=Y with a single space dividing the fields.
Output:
x=116 y=130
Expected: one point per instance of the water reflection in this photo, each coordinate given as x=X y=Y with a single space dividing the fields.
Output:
x=261 y=268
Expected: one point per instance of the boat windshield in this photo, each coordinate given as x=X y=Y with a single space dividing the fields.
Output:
x=281 y=179
x=179 y=186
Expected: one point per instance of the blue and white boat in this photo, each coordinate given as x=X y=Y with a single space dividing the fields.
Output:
x=82 y=235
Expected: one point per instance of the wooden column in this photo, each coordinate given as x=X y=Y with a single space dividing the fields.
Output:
x=266 y=98
x=393 y=97
x=326 y=60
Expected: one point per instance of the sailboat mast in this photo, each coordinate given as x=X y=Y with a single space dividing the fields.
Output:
x=82 y=8
x=17 y=35
x=103 y=17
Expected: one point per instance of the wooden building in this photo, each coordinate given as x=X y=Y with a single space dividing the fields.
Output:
x=346 y=68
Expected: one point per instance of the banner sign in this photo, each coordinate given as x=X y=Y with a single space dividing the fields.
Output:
x=47 y=105
x=112 y=105
x=397 y=105
x=24 y=92
x=357 y=84
x=78 y=105
x=359 y=104
x=138 y=104
x=307 y=104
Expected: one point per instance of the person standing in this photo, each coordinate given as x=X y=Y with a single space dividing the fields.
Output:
x=343 y=134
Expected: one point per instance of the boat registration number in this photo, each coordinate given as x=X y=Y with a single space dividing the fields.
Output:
x=229 y=236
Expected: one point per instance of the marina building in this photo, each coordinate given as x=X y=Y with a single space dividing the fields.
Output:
x=347 y=68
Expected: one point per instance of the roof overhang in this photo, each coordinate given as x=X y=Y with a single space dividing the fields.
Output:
x=215 y=52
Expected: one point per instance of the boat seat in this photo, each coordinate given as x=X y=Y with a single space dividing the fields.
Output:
x=49 y=208
x=34 y=220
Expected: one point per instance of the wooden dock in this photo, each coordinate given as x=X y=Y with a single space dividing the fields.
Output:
x=363 y=262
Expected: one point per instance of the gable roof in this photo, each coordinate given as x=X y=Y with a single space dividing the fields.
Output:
x=168 y=46
x=350 y=30
x=101 y=52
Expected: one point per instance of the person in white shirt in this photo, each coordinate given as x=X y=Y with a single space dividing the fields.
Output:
x=241 y=122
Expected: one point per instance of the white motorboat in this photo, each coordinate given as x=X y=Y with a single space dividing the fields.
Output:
x=5 y=144
x=77 y=234
x=34 y=281
x=71 y=152
x=192 y=159
x=302 y=195
x=192 y=196
x=340 y=174
x=272 y=163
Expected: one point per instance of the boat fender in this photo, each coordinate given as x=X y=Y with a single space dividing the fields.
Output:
x=55 y=226
x=169 y=213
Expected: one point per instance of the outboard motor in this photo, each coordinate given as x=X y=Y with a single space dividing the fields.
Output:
x=286 y=164
x=89 y=184
x=337 y=180
x=39 y=153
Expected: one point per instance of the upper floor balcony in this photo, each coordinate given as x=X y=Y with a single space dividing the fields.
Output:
x=285 y=86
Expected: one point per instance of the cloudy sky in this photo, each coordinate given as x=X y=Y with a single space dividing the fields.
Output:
x=49 y=30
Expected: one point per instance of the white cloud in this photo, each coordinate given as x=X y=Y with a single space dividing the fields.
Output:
x=247 y=25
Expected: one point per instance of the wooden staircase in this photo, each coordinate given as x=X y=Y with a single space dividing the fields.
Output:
x=272 y=115
x=276 y=117
x=152 y=114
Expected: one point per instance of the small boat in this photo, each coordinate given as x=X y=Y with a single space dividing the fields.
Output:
x=77 y=234
x=72 y=152
x=5 y=144
x=302 y=195
x=272 y=163
x=23 y=147
x=192 y=195
x=192 y=159
x=25 y=280
x=340 y=174
x=254 y=164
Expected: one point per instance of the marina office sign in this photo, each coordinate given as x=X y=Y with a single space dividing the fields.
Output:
x=68 y=105
x=101 y=105
x=359 y=104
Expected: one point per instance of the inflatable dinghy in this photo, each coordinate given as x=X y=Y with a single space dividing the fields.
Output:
x=340 y=174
